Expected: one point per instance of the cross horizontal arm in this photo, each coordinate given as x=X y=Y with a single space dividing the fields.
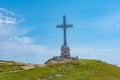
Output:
x=69 y=26
x=59 y=26
x=62 y=26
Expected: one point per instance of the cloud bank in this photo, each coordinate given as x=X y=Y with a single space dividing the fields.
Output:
x=14 y=41
x=15 y=45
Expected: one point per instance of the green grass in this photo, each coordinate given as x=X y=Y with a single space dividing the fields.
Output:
x=70 y=70
x=9 y=66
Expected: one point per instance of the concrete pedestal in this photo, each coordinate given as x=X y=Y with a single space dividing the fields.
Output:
x=65 y=52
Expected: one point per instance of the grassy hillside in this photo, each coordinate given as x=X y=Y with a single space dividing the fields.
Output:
x=9 y=66
x=69 y=70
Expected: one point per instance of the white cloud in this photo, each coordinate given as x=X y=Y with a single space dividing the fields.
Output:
x=110 y=21
x=89 y=49
x=118 y=25
x=7 y=17
x=20 y=45
x=110 y=55
x=13 y=40
x=15 y=45
x=8 y=22
x=7 y=11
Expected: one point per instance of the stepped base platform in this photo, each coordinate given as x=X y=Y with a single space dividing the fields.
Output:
x=59 y=58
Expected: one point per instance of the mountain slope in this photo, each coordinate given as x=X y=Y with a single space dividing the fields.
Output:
x=69 y=70
x=9 y=66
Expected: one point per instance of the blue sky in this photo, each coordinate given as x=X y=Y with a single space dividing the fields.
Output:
x=28 y=30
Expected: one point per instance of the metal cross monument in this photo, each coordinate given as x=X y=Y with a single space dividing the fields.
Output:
x=64 y=26
x=65 y=50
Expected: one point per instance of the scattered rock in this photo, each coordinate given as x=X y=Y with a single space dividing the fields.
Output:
x=58 y=75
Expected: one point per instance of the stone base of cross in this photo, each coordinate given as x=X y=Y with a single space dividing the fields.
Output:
x=65 y=52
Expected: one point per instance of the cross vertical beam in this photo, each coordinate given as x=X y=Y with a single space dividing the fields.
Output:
x=64 y=26
x=64 y=29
